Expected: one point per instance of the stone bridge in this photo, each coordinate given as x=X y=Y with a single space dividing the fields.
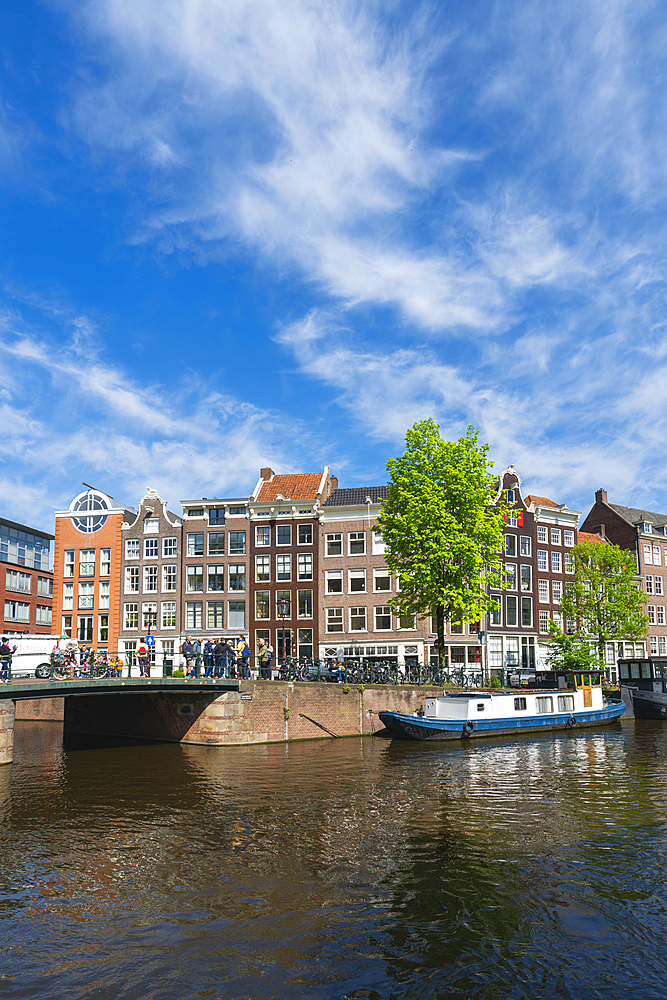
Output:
x=210 y=712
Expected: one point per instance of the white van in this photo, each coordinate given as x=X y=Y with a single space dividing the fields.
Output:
x=33 y=654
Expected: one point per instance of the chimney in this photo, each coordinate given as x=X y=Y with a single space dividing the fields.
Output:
x=602 y=531
x=266 y=474
x=334 y=483
x=600 y=496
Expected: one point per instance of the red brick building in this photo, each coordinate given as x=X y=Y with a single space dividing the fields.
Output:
x=285 y=513
x=87 y=569
x=26 y=578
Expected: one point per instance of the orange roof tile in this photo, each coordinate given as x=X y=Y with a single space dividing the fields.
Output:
x=301 y=486
x=542 y=500
x=590 y=536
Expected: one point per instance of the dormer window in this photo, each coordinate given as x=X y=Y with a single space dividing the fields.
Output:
x=646 y=527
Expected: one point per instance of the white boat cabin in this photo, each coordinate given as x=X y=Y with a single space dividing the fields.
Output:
x=571 y=692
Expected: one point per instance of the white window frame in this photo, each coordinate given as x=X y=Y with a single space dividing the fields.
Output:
x=266 y=569
x=169 y=547
x=381 y=573
x=543 y=591
x=525 y=547
x=334 y=574
x=356 y=574
x=335 y=618
x=154 y=543
x=285 y=559
x=167 y=573
x=166 y=609
x=556 y=562
x=262 y=531
x=132 y=577
x=298 y=534
x=354 y=537
x=282 y=527
x=151 y=577
x=334 y=538
x=304 y=566
x=386 y=609
x=352 y=616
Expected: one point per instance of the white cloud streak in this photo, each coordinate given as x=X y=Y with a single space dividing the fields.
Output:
x=67 y=415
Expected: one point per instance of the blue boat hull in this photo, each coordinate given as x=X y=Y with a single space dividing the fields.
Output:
x=415 y=727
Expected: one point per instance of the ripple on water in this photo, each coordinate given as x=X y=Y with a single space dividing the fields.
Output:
x=528 y=867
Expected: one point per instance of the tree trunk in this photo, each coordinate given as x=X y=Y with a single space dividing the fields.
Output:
x=440 y=623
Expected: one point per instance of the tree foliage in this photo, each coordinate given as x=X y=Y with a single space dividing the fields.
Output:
x=603 y=597
x=568 y=652
x=443 y=526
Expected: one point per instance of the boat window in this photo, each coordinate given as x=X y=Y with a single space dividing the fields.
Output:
x=587 y=679
x=545 y=704
x=578 y=679
x=566 y=703
x=595 y=679
x=634 y=671
x=646 y=669
x=480 y=706
x=625 y=671
x=519 y=704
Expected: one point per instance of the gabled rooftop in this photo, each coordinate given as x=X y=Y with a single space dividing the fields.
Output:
x=358 y=495
x=591 y=536
x=634 y=514
x=543 y=501
x=300 y=486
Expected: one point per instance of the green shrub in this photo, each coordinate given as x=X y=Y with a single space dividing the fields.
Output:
x=179 y=672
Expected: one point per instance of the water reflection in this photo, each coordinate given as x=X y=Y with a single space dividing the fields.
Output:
x=529 y=867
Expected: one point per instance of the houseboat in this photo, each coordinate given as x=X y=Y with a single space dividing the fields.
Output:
x=556 y=700
x=644 y=687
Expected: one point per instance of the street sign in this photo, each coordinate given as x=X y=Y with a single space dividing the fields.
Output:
x=150 y=640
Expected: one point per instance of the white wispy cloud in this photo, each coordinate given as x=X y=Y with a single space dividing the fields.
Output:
x=494 y=186
x=68 y=415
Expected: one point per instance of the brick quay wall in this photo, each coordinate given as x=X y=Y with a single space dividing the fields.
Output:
x=260 y=712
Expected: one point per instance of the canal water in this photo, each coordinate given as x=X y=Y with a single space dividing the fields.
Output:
x=361 y=868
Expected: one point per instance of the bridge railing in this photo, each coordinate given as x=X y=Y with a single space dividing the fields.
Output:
x=70 y=664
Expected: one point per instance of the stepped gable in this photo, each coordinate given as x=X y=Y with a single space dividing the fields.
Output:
x=300 y=486
x=634 y=514
x=358 y=495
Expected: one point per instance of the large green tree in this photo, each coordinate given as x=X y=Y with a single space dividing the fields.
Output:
x=603 y=598
x=443 y=527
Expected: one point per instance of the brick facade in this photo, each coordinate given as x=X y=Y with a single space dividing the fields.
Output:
x=284 y=553
x=87 y=570
x=356 y=622
x=26 y=579
x=151 y=578
x=644 y=534
x=216 y=578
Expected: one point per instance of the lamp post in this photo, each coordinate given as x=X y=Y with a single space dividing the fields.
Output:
x=284 y=612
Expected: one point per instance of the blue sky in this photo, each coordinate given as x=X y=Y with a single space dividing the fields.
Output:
x=237 y=233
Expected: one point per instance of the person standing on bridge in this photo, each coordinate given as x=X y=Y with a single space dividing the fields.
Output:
x=142 y=656
x=196 y=649
x=188 y=652
x=208 y=658
x=5 y=659
x=218 y=656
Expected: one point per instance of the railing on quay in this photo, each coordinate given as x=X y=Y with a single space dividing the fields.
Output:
x=75 y=663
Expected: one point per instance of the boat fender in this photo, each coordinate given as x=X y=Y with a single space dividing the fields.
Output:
x=571 y=722
x=468 y=727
